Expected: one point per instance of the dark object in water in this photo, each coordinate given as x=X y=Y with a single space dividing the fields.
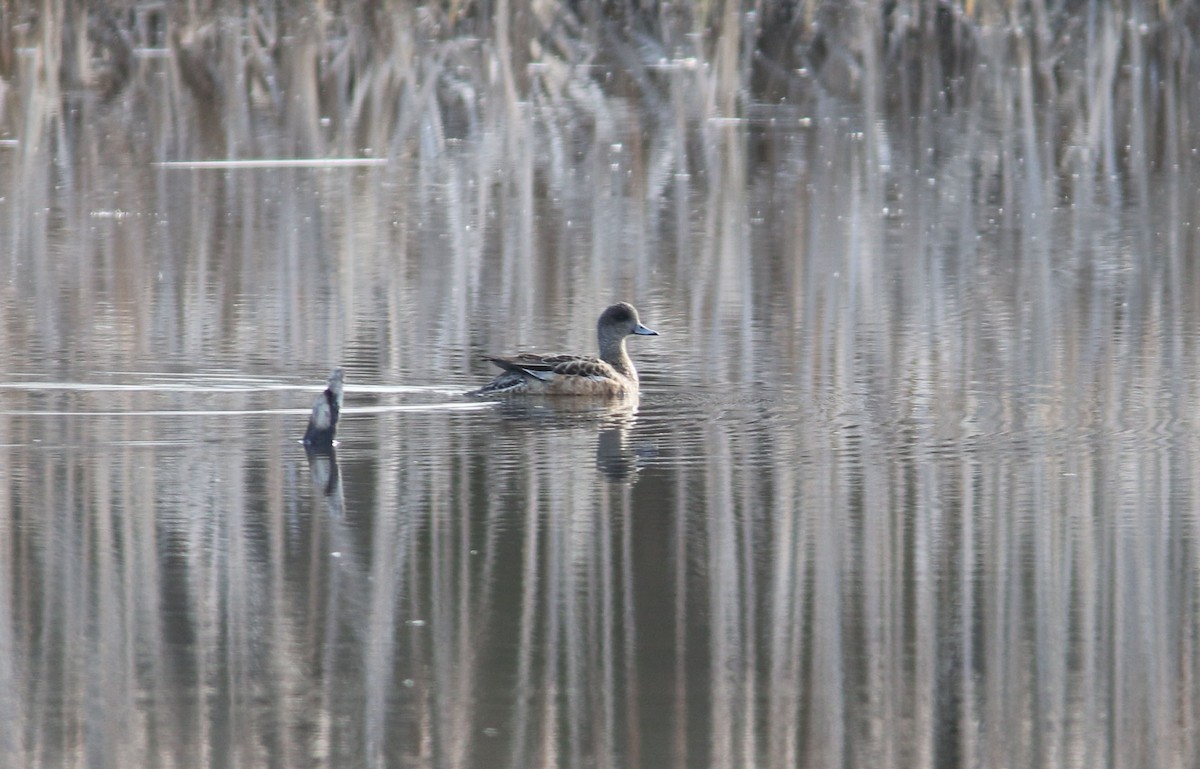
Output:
x=322 y=424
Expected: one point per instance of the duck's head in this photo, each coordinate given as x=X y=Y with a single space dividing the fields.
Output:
x=620 y=320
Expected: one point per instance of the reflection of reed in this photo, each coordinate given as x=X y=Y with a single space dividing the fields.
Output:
x=185 y=247
x=937 y=506
x=866 y=586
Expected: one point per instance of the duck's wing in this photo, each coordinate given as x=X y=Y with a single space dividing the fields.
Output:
x=577 y=366
x=547 y=367
x=533 y=362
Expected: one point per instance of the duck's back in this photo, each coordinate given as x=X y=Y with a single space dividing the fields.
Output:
x=555 y=375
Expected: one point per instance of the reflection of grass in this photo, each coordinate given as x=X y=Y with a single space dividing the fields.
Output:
x=872 y=427
x=360 y=77
x=583 y=128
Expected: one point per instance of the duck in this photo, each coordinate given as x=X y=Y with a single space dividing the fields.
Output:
x=612 y=374
x=322 y=423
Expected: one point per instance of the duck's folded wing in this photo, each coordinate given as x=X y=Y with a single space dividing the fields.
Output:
x=547 y=367
x=590 y=368
x=532 y=361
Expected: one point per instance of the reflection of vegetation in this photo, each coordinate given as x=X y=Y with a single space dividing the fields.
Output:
x=349 y=75
x=563 y=107
x=863 y=530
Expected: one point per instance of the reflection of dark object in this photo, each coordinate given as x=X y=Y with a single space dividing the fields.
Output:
x=103 y=64
x=322 y=424
x=196 y=54
x=610 y=374
x=909 y=50
x=326 y=477
x=113 y=63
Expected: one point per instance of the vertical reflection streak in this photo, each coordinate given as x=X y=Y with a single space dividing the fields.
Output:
x=633 y=733
x=723 y=595
x=549 y=754
x=966 y=727
x=391 y=545
x=524 y=690
x=786 y=617
x=15 y=623
x=826 y=725
x=679 y=564
x=604 y=642
x=748 y=621
x=925 y=640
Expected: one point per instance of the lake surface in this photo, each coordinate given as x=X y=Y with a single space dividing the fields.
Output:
x=912 y=480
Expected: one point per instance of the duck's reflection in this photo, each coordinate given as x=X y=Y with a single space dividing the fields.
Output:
x=615 y=456
x=614 y=419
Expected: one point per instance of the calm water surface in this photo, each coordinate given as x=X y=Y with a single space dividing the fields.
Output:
x=911 y=482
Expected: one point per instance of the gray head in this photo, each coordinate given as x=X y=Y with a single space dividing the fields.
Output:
x=620 y=320
x=617 y=322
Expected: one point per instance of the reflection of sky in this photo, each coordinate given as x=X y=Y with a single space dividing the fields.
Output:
x=909 y=481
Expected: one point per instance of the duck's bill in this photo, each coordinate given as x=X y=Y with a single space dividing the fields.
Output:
x=645 y=331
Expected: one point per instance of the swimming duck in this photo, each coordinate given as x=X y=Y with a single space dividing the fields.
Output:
x=322 y=424
x=611 y=374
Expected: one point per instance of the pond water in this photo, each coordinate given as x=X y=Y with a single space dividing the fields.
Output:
x=911 y=480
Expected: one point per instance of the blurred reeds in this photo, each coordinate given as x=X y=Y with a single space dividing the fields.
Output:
x=1092 y=78
x=1016 y=107
x=841 y=206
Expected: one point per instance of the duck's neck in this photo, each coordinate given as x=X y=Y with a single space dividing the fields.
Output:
x=612 y=352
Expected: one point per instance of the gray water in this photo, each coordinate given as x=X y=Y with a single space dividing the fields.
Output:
x=911 y=481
